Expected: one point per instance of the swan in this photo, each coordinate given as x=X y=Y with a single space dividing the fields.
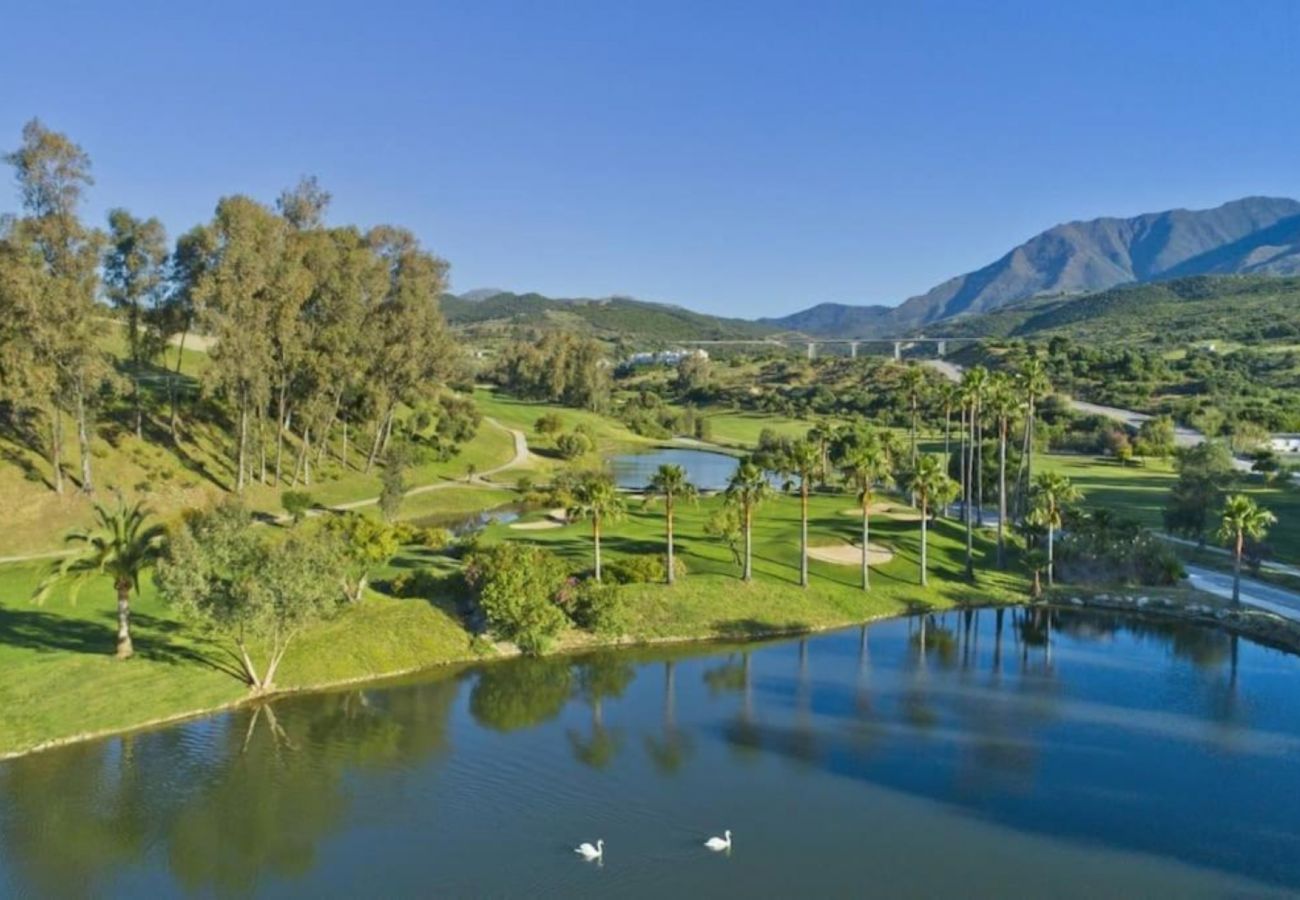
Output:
x=720 y=843
x=586 y=851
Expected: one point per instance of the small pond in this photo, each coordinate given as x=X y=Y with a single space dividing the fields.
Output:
x=1013 y=753
x=706 y=469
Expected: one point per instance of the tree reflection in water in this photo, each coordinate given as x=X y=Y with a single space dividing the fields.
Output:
x=600 y=676
x=670 y=750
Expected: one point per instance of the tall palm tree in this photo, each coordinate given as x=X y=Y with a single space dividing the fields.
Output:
x=914 y=385
x=931 y=486
x=748 y=489
x=865 y=465
x=801 y=458
x=1242 y=518
x=1034 y=386
x=950 y=397
x=972 y=389
x=670 y=483
x=1003 y=403
x=121 y=547
x=1053 y=492
x=595 y=497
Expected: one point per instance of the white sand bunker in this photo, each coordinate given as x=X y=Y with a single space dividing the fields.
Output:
x=555 y=518
x=851 y=554
x=893 y=510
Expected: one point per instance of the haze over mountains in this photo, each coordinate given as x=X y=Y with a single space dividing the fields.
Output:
x=1254 y=235
x=1251 y=236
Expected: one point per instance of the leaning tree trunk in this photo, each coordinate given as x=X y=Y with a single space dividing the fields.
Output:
x=125 y=649
x=175 y=414
x=83 y=441
x=56 y=447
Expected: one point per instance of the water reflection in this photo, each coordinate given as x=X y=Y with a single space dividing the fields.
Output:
x=1087 y=727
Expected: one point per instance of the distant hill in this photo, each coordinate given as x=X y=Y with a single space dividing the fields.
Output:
x=1255 y=235
x=611 y=317
x=1236 y=308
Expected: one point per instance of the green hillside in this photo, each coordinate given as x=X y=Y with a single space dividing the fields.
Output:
x=614 y=317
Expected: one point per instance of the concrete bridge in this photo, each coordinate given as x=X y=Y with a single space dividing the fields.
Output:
x=940 y=344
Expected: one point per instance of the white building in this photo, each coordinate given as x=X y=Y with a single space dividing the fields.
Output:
x=1285 y=443
x=663 y=357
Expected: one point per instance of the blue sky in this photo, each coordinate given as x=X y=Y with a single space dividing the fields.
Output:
x=740 y=158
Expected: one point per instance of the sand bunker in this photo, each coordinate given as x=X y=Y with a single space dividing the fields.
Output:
x=893 y=510
x=851 y=554
x=555 y=518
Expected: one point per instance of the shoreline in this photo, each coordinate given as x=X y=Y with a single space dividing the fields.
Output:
x=501 y=654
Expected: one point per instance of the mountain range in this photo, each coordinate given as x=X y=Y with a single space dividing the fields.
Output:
x=1254 y=235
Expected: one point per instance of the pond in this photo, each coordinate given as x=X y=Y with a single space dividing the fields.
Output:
x=706 y=469
x=972 y=754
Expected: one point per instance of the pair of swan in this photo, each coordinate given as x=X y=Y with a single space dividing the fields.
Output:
x=589 y=852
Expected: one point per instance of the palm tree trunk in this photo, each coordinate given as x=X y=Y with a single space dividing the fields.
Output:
x=124 y=647
x=1051 y=555
x=803 y=531
x=748 y=572
x=979 y=467
x=1002 y=493
x=668 y=508
x=595 y=535
x=924 y=516
x=1236 y=568
x=866 y=540
x=968 y=498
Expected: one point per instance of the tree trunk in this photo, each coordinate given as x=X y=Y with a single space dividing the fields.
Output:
x=261 y=446
x=124 y=647
x=281 y=417
x=83 y=441
x=380 y=438
x=979 y=467
x=595 y=536
x=866 y=540
x=969 y=497
x=748 y=571
x=345 y=444
x=803 y=531
x=175 y=398
x=139 y=410
x=56 y=447
x=1051 y=554
x=668 y=508
x=1002 y=493
x=243 y=443
x=925 y=515
x=1236 y=568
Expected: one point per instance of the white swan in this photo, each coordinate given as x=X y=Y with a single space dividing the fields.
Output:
x=586 y=851
x=720 y=843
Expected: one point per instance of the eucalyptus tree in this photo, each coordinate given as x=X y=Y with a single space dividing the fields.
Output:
x=746 y=491
x=56 y=317
x=866 y=464
x=1003 y=403
x=134 y=275
x=234 y=302
x=801 y=459
x=931 y=486
x=122 y=547
x=1242 y=518
x=1052 y=494
x=595 y=497
x=177 y=314
x=670 y=483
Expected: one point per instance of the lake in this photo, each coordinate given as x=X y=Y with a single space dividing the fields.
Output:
x=971 y=754
x=707 y=470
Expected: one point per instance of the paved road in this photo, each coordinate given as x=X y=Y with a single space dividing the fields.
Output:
x=1253 y=593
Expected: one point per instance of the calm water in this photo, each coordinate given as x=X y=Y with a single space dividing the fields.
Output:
x=1070 y=755
x=707 y=470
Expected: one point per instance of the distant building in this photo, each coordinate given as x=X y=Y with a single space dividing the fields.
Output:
x=662 y=358
x=1285 y=443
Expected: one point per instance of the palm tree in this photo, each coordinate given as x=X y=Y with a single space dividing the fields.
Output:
x=122 y=547
x=1002 y=403
x=747 y=489
x=972 y=390
x=865 y=465
x=801 y=458
x=1036 y=561
x=670 y=483
x=1053 y=492
x=1242 y=518
x=914 y=386
x=1034 y=385
x=596 y=498
x=931 y=486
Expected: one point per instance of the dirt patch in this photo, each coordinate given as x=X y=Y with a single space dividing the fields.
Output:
x=851 y=554
x=540 y=525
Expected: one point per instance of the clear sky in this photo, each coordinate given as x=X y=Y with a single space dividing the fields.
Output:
x=740 y=158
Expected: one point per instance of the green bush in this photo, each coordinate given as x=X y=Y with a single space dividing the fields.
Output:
x=572 y=446
x=549 y=424
x=421 y=583
x=645 y=569
x=516 y=585
x=296 y=504
x=601 y=609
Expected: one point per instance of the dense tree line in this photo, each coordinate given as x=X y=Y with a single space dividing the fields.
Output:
x=315 y=332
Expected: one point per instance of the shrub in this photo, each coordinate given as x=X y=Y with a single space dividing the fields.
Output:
x=572 y=446
x=296 y=504
x=645 y=569
x=703 y=429
x=515 y=585
x=600 y=608
x=549 y=424
x=421 y=583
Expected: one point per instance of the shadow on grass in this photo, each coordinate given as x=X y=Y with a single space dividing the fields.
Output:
x=750 y=628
